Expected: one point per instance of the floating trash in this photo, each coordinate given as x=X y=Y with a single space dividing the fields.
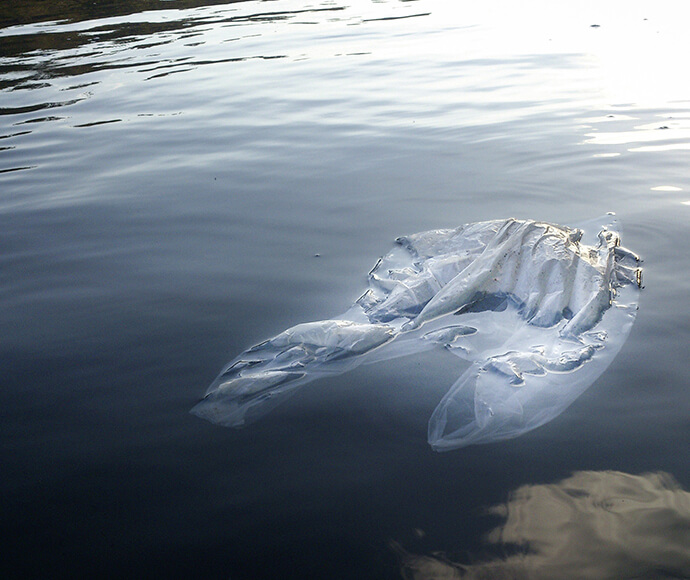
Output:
x=539 y=310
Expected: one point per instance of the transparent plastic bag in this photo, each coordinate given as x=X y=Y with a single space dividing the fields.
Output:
x=539 y=310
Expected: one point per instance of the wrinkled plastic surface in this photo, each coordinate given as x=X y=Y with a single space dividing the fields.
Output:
x=539 y=310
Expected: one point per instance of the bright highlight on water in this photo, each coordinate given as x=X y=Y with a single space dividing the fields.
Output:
x=539 y=310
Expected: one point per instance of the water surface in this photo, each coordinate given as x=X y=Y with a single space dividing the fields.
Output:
x=170 y=172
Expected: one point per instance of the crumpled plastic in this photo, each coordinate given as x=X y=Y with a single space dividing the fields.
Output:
x=539 y=310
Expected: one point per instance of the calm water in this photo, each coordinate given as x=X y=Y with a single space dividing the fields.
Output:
x=169 y=172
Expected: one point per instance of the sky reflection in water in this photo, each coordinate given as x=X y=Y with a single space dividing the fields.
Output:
x=594 y=524
x=342 y=66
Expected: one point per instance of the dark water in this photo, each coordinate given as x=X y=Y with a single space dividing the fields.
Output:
x=169 y=172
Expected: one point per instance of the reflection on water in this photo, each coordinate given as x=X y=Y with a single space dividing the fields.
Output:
x=91 y=69
x=28 y=11
x=453 y=70
x=594 y=524
x=668 y=133
x=35 y=54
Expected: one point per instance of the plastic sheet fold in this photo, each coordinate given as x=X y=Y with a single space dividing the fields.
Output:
x=539 y=310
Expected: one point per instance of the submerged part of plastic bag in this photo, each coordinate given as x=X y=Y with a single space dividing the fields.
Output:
x=539 y=310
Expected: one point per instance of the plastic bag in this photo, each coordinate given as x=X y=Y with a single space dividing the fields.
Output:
x=540 y=311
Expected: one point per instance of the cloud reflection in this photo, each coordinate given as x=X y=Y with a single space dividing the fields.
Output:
x=594 y=524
